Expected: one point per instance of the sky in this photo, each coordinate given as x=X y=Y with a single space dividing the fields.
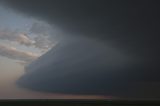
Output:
x=18 y=37
x=14 y=51
x=83 y=47
x=17 y=34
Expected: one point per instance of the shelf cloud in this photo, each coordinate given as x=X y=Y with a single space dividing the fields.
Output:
x=130 y=28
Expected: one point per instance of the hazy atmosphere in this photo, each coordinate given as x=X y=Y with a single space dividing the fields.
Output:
x=22 y=40
x=79 y=49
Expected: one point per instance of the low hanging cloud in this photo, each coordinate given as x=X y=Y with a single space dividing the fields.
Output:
x=13 y=53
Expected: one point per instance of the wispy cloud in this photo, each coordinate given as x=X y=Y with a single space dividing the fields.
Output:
x=40 y=41
x=13 y=53
x=15 y=36
x=23 y=63
x=43 y=32
x=41 y=28
x=37 y=36
x=24 y=39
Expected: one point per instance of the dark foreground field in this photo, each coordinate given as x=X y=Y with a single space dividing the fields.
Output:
x=79 y=102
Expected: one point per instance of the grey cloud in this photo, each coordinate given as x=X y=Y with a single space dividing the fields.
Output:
x=41 y=28
x=44 y=31
x=13 y=53
x=41 y=42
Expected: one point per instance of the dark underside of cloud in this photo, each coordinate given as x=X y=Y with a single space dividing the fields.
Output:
x=114 y=43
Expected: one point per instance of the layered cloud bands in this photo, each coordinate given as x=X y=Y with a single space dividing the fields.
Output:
x=39 y=41
x=13 y=53
x=15 y=36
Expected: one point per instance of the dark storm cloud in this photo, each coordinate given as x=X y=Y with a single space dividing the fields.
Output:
x=129 y=26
